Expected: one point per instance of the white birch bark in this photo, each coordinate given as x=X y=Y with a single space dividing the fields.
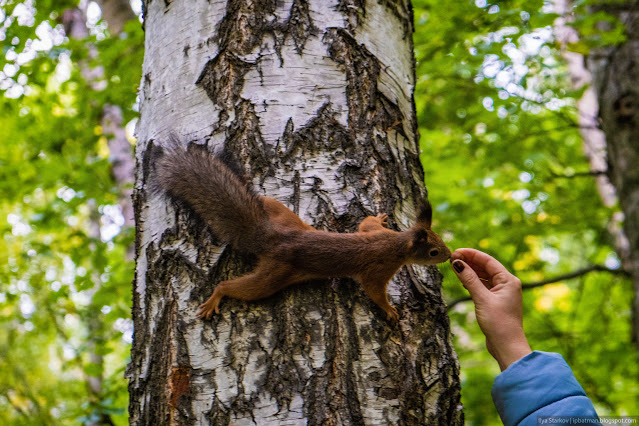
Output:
x=314 y=99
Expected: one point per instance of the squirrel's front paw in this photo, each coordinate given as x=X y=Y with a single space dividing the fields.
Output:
x=206 y=309
x=383 y=219
x=212 y=304
x=204 y=312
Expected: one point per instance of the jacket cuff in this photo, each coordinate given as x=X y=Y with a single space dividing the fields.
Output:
x=539 y=384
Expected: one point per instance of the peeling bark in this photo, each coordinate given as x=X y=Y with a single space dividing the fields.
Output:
x=314 y=100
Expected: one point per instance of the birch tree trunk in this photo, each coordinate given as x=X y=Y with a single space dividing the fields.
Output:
x=314 y=100
x=609 y=113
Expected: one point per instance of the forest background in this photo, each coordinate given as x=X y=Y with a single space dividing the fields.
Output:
x=504 y=164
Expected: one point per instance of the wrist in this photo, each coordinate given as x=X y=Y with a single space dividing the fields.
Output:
x=508 y=351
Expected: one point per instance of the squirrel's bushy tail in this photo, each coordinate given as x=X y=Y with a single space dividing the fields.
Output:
x=218 y=196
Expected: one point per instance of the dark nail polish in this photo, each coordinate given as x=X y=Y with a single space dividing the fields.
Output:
x=458 y=266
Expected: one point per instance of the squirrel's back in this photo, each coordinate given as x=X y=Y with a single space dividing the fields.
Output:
x=218 y=195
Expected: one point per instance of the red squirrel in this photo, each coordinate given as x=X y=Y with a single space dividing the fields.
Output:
x=290 y=251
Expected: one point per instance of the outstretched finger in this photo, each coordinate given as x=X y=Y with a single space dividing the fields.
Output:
x=480 y=260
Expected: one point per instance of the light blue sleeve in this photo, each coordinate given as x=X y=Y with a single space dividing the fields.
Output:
x=539 y=384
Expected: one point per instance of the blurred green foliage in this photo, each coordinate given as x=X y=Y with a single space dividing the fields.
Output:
x=65 y=283
x=500 y=144
x=501 y=148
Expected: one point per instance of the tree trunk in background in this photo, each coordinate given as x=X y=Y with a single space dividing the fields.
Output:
x=615 y=72
x=116 y=13
x=612 y=103
x=121 y=156
x=314 y=100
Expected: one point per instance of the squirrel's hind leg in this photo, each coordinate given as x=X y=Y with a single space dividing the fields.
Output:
x=263 y=282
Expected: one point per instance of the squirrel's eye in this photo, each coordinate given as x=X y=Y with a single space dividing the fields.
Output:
x=434 y=252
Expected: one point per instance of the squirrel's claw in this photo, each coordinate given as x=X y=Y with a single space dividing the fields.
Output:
x=392 y=315
x=204 y=311
x=383 y=219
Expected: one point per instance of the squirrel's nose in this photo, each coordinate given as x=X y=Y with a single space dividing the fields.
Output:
x=448 y=253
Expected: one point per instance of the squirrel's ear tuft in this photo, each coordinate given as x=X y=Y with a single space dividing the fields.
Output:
x=420 y=237
x=424 y=213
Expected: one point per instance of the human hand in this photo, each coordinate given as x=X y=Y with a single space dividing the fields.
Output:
x=498 y=303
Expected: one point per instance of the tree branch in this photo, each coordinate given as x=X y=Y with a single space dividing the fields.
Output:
x=568 y=276
x=580 y=174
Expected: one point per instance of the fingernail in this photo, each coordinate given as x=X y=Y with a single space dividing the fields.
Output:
x=458 y=265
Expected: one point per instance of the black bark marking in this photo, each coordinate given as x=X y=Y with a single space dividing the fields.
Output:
x=321 y=134
x=403 y=10
x=355 y=10
x=157 y=409
x=141 y=335
x=300 y=25
x=295 y=201
x=367 y=106
x=147 y=85
x=371 y=113
x=245 y=141
x=222 y=78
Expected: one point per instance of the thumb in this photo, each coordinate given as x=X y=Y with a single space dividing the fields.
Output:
x=469 y=280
